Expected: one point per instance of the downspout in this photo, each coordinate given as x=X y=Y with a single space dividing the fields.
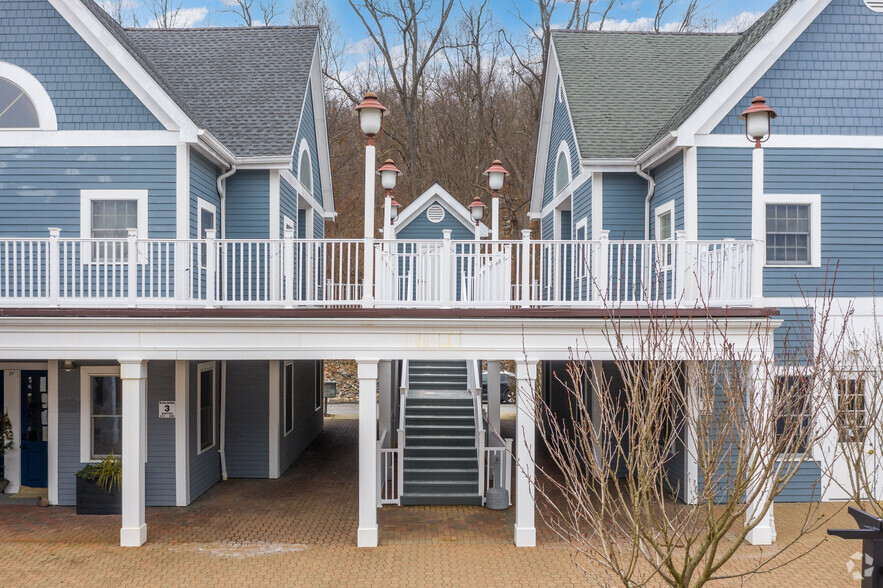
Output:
x=222 y=194
x=223 y=431
x=651 y=188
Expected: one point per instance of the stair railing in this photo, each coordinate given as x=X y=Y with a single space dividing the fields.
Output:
x=473 y=369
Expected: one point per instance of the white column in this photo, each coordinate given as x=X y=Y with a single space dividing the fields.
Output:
x=52 y=422
x=12 y=405
x=385 y=375
x=182 y=252
x=693 y=412
x=274 y=426
x=367 y=536
x=525 y=452
x=387 y=217
x=495 y=217
x=764 y=533
x=493 y=402
x=595 y=403
x=182 y=412
x=368 y=258
x=134 y=454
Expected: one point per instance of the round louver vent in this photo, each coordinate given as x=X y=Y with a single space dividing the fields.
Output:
x=435 y=214
x=875 y=5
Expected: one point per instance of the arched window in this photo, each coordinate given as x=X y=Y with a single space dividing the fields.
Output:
x=17 y=110
x=562 y=169
x=305 y=170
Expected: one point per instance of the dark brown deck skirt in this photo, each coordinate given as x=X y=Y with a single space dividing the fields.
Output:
x=422 y=313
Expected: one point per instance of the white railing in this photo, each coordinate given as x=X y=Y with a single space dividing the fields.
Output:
x=443 y=273
x=479 y=437
x=389 y=474
x=497 y=468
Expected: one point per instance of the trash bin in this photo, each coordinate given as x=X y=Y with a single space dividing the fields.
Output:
x=497 y=498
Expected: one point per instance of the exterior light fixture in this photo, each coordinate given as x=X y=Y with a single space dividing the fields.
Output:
x=757 y=119
x=476 y=209
x=496 y=175
x=68 y=365
x=394 y=210
x=388 y=173
x=371 y=114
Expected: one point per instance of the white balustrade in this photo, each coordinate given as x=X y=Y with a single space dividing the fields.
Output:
x=441 y=273
x=497 y=468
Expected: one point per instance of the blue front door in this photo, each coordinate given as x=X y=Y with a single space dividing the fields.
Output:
x=34 y=428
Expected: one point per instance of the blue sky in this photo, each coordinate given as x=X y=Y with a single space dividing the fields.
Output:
x=626 y=15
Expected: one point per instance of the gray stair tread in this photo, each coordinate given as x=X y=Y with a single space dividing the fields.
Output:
x=429 y=394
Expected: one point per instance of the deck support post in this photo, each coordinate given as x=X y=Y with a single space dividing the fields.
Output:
x=493 y=403
x=133 y=374
x=764 y=532
x=367 y=534
x=525 y=434
x=385 y=377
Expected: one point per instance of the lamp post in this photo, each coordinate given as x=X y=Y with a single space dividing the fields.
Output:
x=496 y=175
x=476 y=209
x=389 y=173
x=371 y=113
x=757 y=119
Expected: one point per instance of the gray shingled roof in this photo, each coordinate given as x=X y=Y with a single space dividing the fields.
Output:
x=244 y=85
x=622 y=87
x=247 y=85
x=732 y=58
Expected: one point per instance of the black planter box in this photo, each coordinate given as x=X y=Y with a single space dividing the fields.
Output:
x=92 y=499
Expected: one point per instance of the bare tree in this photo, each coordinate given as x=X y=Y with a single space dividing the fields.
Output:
x=408 y=34
x=122 y=11
x=166 y=13
x=331 y=50
x=256 y=12
x=682 y=389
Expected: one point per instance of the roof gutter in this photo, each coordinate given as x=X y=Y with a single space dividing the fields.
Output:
x=651 y=188
x=222 y=194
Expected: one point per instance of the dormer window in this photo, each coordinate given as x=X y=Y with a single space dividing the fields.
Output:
x=17 y=110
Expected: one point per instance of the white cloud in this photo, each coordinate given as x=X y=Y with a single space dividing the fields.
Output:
x=184 y=18
x=110 y=5
x=739 y=22
x=362 y=47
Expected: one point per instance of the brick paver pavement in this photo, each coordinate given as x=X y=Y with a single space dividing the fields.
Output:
x=300 y=530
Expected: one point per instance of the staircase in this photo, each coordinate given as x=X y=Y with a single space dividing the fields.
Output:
x=440 y=461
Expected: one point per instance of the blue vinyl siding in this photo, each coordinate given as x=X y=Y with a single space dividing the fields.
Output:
x=308 y=421
x=205 y=468
x=160 y=467
x=248 y=205
x=561 y=130
x=318 y=224
x=307 y=130
x=547 y=227
x=724 y=207
x=581 y=205
x=669 y=177
x=624 y=196
x=40 y=187
x=287 y=206
x=420 y=227
x=805 y=486
x=301 y=223
x=203 y=184
x=86 y=94
x=793 y=339
x=566 y=226
x=248 y=419
x=828 y=82
x=850 y=182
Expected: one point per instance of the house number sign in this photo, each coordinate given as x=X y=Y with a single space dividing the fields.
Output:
x=166 y=409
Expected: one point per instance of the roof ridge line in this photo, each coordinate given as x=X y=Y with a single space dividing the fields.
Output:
x=219 y=28
x=654 y=33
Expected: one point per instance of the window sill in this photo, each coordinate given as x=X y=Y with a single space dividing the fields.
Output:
x=791 y=266
x=201 y=451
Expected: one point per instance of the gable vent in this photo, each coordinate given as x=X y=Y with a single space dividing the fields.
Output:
x=436 y=213
x=875 y=5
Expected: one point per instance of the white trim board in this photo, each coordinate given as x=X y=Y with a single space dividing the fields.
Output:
x=206 y=366
x=302 y=191
x=664 y=208
x=597 y=205
x=275 y=204
x=86 y=375
x=691 y=193
x=815 y=225
x=274 y=422
x=568 y=191
x=53 y=138
x=794 y=141
x=182 y=427
x=433 y=194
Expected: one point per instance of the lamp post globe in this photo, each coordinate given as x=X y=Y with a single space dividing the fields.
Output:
x=394 y=209
x=476 y=209
x=496 y=175
x=371 y=113
x=757 y=119
x=389 y=174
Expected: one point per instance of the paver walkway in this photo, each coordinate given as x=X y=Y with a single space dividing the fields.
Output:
x=300 y=530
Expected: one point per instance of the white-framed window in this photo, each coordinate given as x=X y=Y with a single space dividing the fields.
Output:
x=287 y=224
x=792 y=403
x=793 y=230
x=561 y=221
x=206 y=215
x=852 y=416
x=562 y=167
x=206 y=399
x=288 y=396
x=108 y=215
x=305 y=167
x=319 y=384
x=101 y=412
x=17 y=110
x=664 y=229
x=560 y=90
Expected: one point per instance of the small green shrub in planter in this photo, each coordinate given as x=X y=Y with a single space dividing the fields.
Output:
x=98 y=487
x=5 y=445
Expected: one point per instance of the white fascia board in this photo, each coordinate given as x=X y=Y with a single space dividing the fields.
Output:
x=658 y=152
x=302 y=192
x=216 y=150
x=345 y=337
x=544 y=135
x=752 y=67
x=321 y=123
x=566 y=193
x=127 y=68
x=612 y=165
x=794 y=141
x=280 y=162
x=436 y=192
